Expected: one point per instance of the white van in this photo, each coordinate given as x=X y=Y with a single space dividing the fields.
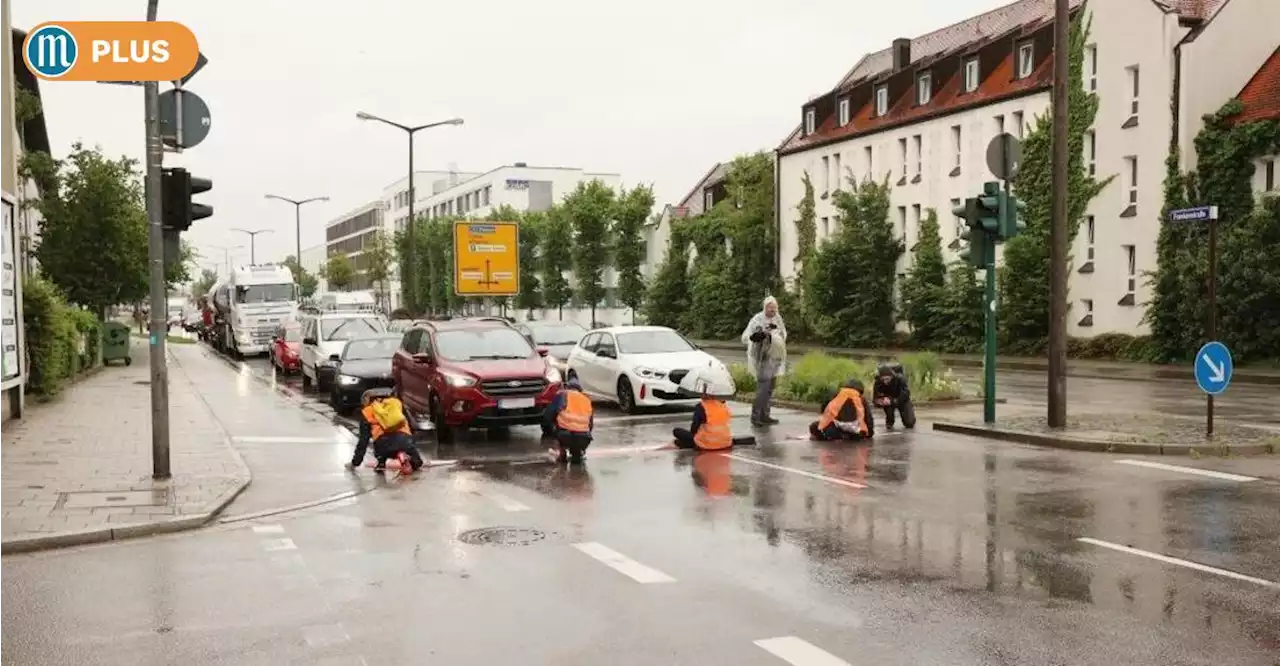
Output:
x=347 y=301
x=323 y=336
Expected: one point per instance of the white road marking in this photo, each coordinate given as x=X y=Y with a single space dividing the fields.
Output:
x=289 y=440
x=811 y=475
x=1184 y=563
x=268 y=529
x=623 y=564
x=273 y=545
x=1188 y=470
x=507 y=503
x=799 y=652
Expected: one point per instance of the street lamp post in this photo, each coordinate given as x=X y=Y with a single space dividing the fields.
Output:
x=297 y=220
x=226 y=253
x=407 y=280
x=253 y=238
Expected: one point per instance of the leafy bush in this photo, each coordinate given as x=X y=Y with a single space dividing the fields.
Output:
x=54 y=332
x=742 y=379
x=816 y=377
x=1112 y=347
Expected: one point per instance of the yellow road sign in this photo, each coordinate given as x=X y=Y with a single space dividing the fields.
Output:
x=486 y=258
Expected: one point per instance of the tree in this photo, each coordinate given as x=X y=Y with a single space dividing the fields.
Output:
x=589 y=209
x=178 y=270
x=924 y=290
x=963 y=311
x=379 y=255
x=339 y=272
x=806 y=224
x=667 y=302
x=93 y=242
x=631 y=211
x=204 y=283
x=531 y=232
x=1024 y=277
x=307 y=283
x=848 y=288
x=556 y=258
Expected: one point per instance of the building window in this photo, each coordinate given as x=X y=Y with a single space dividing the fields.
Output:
x=902 y=155
x=924 y=88
x=870 y=162
x=1026 y=59
x=902 y=222
x=1088 y=237
x=956 y=145
x=1132 y=279
x=1269 y=176
x=844 y=112
x=1091 y=67
x=826 y=227
x=488 y=192
x=1086 y=304
x=826 y=175
x=1091 y=152
x=882 y=100
x=959 y=222
x=1133 y=180
x=999 y=124
x=837 y=176
x=1133 y=103
x=810 y=121
x=708 y=200
x=971 y=74
x=1017 y=124
x=915 y=219
x=917 y=143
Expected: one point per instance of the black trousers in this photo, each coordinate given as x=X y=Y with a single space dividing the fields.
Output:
x=684 y=438
x=832 y=433
x=903 y=407
x=572 y=444
x=385 y=447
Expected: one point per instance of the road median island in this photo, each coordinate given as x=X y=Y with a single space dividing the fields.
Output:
x=1130 y=434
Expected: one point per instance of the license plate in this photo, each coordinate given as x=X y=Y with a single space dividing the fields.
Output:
x=515 y=403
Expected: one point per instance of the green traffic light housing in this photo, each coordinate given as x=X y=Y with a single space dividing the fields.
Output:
x=1012 y=216
x=978 y=246
x=178 y=210
x=989 y=207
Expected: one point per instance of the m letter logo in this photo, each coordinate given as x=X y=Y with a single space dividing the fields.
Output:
x=111 y=51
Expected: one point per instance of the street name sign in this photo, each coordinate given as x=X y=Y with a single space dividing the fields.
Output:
x=1196 y=214
x=1213 y=368
x=486 y=258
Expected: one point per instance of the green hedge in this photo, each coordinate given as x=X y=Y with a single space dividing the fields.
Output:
x=816 y=377
x=54 y=331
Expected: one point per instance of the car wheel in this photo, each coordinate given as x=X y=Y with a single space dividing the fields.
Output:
x=626 y=399
x=306 y=382
x=444 y=433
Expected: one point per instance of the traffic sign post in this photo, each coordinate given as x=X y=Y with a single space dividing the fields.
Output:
x=1213 y=352
x=486 y=258
x=1213 y=366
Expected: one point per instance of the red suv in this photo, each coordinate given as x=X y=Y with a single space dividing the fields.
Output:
x=472 y=374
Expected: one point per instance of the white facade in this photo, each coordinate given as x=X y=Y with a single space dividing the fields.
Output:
x=313 y=259
x=1130 y=63
x=520 y=186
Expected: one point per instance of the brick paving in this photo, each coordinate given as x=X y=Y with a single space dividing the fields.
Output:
x=82 y=463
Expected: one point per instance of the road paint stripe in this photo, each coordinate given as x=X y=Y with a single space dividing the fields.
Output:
x=268 y=529
x=623 y=564
x=811 y=475
x=799 y=652
x=1184 y=563
x=273 y=545
x=1188 y=470
x=290 y=440
x=507 y=503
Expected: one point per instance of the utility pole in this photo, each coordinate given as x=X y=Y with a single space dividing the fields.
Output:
x=155 y=258
x=226 y=254
x=297 y=221
x=1058 y=229
x=253 y=237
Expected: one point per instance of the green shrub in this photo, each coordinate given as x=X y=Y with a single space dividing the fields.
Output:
x=816 y=377
x=742 y=379
x=54 y=333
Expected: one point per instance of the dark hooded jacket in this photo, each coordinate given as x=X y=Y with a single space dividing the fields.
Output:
x=896 y=389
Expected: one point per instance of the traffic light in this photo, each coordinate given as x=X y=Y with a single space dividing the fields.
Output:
x=177 y=188
x=989 y=207
x=1012 y=216
x=973 y=234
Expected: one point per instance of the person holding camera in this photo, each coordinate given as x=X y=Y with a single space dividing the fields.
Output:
x=892 y=393
x=766 y=340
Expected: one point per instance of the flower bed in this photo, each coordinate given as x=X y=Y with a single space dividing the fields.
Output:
x=816 y=377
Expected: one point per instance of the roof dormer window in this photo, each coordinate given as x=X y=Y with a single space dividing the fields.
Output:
x=844 y=112
x=810 y=121
x=972 y=75
x=882 y=100
x=924 y=88
x=1026 y=59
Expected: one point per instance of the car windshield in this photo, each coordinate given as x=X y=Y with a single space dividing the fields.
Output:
x=293 y=334
x=557 y=334
x=350 y=329
x=652 y=342
x=482 y=344
x=370 y=349
x=265 y=293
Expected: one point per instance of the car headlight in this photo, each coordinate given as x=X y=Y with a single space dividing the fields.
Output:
x=457 y=380
x=553 y=375
x=348 y=380
x=649 y=373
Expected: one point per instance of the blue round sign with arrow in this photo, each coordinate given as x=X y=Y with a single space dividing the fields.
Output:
x=1213 y=368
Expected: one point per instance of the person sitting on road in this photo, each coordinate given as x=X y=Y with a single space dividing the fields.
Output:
x=892 y=393
x=709 y=430
x=383 y=423
x=847 y=416
x=569 y=419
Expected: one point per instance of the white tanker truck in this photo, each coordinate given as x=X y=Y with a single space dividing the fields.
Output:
x=249 y=306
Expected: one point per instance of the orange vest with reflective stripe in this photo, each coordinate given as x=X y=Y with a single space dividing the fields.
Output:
x=832 y=412
x=576 y=415
x=714 y=434
x=376 y=427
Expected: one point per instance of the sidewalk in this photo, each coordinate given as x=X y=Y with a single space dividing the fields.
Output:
x=78 y=470
x=1075 y=368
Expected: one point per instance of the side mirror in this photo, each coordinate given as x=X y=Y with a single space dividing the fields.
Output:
x=422 y=358
x=310 y=341
x=542 y=351
x=335 y=357
x=607 y=353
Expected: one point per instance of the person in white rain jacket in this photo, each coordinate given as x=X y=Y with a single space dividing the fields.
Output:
x=766 y=340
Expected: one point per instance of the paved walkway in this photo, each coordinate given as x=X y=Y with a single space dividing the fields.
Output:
x=79 y=468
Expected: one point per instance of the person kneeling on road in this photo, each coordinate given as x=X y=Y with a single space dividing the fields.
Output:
x=891 y=392
x=846 y=416
x=570 y=419
x=383 y=423
x=710 y=428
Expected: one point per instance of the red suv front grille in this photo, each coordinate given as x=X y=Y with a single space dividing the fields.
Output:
x=515 y=387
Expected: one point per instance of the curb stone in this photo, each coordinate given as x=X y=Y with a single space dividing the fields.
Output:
x=1099 y=446
x=929 y=404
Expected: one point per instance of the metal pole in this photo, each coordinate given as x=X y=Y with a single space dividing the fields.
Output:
x=1058 y=229
x=1213 y=309
x=297 y=228
x=410 y=296
x=989 y=334
x=155 y=256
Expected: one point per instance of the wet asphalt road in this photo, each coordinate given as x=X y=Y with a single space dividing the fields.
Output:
x=922 y=549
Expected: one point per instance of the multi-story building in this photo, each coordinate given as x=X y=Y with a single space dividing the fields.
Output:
x=922 y=112
x=351 y=233
x=519 y=185
x=657 y=232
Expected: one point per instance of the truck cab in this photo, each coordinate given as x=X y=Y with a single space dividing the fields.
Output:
x=252 y=304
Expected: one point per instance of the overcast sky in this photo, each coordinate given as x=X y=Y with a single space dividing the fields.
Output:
x=655 y=91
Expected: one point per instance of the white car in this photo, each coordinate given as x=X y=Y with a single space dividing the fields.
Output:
x=323 y=337
x=634 y=365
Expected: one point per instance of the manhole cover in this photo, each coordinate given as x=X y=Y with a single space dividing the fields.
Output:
x=502 y=536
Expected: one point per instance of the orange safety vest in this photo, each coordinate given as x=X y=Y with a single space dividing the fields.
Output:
x=576 y=415
x=831 y=413
x=376 y=427
x=714 y=434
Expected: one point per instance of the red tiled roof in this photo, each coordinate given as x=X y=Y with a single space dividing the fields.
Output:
x=1261 y=95
x=1193 y=9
